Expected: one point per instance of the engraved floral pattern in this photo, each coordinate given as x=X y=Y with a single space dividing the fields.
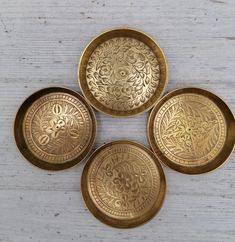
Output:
x=56 y=127
x=60 y=122
x=126 y=183
x=190 y=129
x=122 y=73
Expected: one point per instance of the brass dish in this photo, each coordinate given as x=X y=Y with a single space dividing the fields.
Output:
x=122 y=72
x=123 y=184
x=55 y=128
x=191 y=130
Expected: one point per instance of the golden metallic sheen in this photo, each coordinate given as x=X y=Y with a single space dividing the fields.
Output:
x=122 y=72
x=191 y=130
x=123 y=184
x=55 y=128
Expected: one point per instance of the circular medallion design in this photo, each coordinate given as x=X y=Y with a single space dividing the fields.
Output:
x=122 y=72
x=123 y=182
x=188 y=129
x=58 y=128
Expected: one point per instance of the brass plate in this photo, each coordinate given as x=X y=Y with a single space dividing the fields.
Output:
x=55 y=128
x=191 y=130
x=123 y=184
x=122 y=72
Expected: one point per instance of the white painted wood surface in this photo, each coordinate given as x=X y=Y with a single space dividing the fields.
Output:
x=40 y=45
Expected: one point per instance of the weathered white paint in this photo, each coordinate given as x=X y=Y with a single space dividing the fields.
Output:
x=40 y=45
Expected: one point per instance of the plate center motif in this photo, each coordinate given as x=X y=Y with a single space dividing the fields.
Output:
x=57 y=127
x=190 y=129
x=122 y=73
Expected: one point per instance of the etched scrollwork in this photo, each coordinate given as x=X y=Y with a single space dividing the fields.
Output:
x=122 y=73
x=56 y=124
x=123 y=183
x=190 y=128
x=57 y=127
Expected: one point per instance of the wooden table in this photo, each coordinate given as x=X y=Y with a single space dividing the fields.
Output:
x=40 y=45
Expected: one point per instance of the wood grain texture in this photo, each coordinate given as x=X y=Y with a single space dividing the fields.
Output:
x=40 y=45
